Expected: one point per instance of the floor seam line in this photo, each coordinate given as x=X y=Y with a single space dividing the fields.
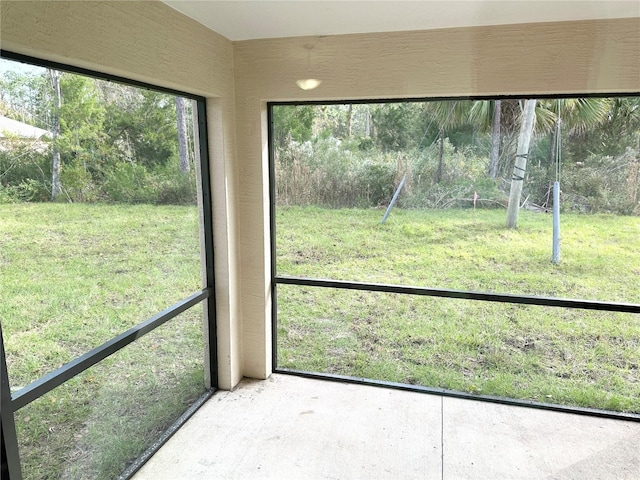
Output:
x=442 y=438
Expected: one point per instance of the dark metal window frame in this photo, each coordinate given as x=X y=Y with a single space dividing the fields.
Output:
x=426 y=291
x=11 y=468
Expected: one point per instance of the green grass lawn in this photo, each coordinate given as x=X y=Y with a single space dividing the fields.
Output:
x=572 y=357
x=74 y=276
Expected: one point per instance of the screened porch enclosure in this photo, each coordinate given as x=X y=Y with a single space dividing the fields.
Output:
x=393 y=260
x=305 y=341
x=108 y=316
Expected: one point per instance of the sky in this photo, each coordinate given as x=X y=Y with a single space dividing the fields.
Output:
x=13 y=66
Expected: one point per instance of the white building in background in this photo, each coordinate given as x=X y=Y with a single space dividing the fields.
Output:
x=14 y=128
x=14 y=133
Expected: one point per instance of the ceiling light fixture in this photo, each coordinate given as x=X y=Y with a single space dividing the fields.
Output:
x=308 y=83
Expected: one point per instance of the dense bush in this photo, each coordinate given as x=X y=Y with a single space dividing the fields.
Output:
x=453 y=151
x=331 y=173
x=134 y=183
x=604 y=184
x=26 y=177
x=462 y=175
x=176 y=188
x=128 y=183
x=25 y=172
x=378 y=181
x=340 y=174
x=6 y=194
x=78 y=183
x=326 y=173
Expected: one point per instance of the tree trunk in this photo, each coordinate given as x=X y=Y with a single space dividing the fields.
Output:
x=553 y=146
x=367 y=123
x=196 y=133
x=494 y=158
x=182 y=135
x=520 y=167
x=440 y=156
x=56 y=167
x=349 y=121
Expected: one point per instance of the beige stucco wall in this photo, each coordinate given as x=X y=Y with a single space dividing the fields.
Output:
x=601 y=56
x=148 y=41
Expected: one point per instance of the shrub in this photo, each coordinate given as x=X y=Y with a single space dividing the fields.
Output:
x=25 y=172
x=31 y=190
x=603 y=184
x=134 y=183
x=128 y=183
x=463 y=174
x=375 y=180
x=78 y=184
x=330 y=173
x=8 y=195
x=177 y=188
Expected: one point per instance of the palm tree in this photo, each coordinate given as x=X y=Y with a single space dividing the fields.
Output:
x=494 y=156
x=622 y=122
x=500 y=117
x=486 y=115
x=578 y=117
x=520 y=167
x=577 y=114
x=447 y=114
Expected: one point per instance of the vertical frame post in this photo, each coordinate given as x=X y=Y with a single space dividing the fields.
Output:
x=207 y=214
x=272 y=221
x=8 y=439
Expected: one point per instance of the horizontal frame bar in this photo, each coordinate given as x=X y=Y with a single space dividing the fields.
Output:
x=57 y=377
x=593 y=412
x=472 y=98
x=462 y=294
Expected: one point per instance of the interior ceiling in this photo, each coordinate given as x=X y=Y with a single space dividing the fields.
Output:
x=246 y=20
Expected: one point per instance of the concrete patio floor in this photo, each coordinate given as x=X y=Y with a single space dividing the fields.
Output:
x=290 y=427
